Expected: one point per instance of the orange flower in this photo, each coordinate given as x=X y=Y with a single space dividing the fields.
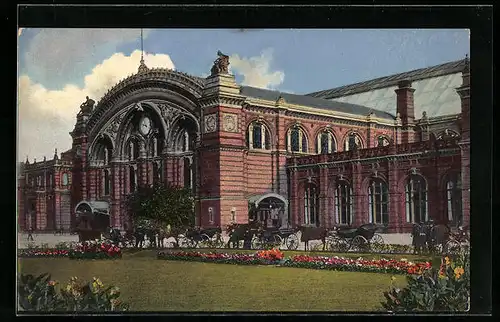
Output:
x=458 y=272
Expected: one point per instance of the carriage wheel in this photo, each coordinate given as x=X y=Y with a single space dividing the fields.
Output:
x=205 y=241
x=217 y=242
x=358 y=243
x=185 y=242
x=338 y=245
x=376 y=243
x=257 y=243
x=292 y=242
x=278 y=241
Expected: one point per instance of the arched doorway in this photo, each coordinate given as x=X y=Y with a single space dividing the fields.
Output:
x=270 y=210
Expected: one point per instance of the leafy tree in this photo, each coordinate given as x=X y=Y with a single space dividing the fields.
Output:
x=162 y=205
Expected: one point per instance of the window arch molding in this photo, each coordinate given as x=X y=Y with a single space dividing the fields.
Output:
x=266 y=140
x=446 y=134
x=382 y=138
x=137 y=141
x=102 y=149
x=296 y=134
x=356 y=135
x=331 y=145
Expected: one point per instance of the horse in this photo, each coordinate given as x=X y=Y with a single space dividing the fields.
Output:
x=239 y=232
x=419 y=237
x=312 y=233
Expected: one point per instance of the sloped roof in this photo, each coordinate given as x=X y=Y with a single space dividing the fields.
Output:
x=392 y=80
x=314 y=102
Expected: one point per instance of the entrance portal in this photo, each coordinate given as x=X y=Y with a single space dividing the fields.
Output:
x=269 y=210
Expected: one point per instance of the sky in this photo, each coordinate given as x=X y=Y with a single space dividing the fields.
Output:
x=58 y=68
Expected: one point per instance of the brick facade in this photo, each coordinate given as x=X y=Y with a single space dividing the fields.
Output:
x=238 y=151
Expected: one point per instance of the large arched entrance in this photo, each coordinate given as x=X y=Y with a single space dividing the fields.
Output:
x=92 y=216
x=271 y=210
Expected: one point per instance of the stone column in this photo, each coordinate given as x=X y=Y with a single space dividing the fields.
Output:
x=359 y=215
x=396 y=217
x=324 y=210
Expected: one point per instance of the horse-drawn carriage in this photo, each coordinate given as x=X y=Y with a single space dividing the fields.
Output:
x=207 y=237
x=362 y=238
x=439 y=238
x=275 y=237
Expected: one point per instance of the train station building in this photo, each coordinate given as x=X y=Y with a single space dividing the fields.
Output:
x=393 y=150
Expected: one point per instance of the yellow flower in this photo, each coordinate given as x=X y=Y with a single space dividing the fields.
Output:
x=447 y=260
x=458 y=272
x=393 y=278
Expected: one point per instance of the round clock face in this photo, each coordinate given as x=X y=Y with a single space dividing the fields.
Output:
x=145 y=125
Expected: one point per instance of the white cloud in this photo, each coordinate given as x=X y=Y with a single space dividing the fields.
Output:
x=60 y=51
x=47 y=116
x=255 y=70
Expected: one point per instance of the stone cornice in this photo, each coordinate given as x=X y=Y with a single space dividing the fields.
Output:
x=316 y=112
x=234 y=101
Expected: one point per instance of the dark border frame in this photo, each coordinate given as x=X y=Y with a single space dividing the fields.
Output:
x=478 y=19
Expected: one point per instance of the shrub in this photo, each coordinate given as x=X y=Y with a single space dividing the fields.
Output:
x=444 y=289
x=40 y=294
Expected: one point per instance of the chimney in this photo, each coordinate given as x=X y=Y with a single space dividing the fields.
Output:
x=405 y=108
x=464 y=92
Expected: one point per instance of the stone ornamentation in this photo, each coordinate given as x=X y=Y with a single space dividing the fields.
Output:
x=221 y=64
x=210 y=123
x=87 y=106
x=168 y=113
x=112 y=129
x=230 y=122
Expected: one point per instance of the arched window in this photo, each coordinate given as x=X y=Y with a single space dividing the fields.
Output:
x=454 y=199
x=297 y=140
x=258 y=136
x=352 y=142
x=311 y=216
x=343 y=203
x=133 y=179
x=378 y=198
x=65 y=179
x=382 y=141
x=50 y=181
x=447 y=134
x=187 y=174
x=325 y=143
x=416 y=199
x=107 y=183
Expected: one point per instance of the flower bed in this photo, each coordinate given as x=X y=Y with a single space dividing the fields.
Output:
x=276 y=257
x=49 y=252
x=238 y=259
x=357 y=265
x=95 y=250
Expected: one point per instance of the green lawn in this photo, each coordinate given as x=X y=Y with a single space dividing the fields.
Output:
x=159 y=285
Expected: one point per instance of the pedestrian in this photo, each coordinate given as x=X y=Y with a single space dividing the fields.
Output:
x=30 y=234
